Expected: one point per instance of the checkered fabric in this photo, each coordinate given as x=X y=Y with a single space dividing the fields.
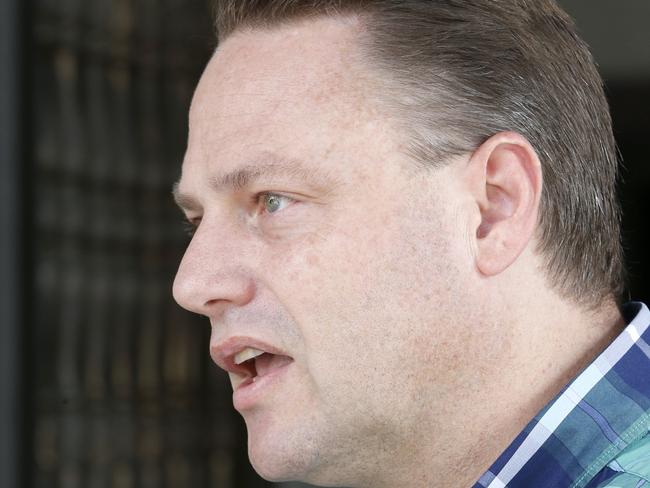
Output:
x=595 y=433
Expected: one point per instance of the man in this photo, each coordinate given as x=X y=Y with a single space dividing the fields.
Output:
x=407 y=244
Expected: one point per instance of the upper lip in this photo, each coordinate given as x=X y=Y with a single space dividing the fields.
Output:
x=224 y=352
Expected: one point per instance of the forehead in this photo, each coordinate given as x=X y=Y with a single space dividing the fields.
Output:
x=310 y=58
x=297 y=90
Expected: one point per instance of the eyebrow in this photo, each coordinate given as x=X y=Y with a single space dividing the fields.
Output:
x=241 y=178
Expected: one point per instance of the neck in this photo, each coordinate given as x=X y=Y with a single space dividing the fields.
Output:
x=550 y=345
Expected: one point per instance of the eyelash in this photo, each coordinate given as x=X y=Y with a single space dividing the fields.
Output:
x=190 y=226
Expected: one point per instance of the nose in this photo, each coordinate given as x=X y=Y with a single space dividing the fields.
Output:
x=212 y=276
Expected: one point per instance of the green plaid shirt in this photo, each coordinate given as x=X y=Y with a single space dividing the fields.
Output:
x=595 y=433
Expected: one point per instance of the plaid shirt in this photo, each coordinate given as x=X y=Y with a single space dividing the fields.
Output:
x=595 y=433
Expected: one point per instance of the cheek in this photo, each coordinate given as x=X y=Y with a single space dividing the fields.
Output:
x=364 y=296
x=381 y=279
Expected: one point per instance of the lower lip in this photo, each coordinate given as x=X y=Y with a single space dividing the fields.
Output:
x=251 y=392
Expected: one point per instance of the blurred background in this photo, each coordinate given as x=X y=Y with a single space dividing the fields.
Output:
x=104 y=381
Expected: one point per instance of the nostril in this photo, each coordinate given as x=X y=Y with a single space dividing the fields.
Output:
x=210 y=292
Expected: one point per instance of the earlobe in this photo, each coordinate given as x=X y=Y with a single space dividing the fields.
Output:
x=507 y=187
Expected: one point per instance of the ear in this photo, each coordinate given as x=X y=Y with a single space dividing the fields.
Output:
x=505 y=178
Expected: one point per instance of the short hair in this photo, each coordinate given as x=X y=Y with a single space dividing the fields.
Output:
x=474 y=68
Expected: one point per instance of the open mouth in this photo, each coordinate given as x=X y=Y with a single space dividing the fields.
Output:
x=257 y=363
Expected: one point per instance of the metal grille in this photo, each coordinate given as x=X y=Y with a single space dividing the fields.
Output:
x=125 y=395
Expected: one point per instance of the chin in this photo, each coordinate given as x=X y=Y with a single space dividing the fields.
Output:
x=277 y=463
x=282 y=455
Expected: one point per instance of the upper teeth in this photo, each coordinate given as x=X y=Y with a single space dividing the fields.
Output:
x=246 y=354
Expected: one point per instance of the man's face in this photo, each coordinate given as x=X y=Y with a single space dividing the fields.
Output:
x=327 y=248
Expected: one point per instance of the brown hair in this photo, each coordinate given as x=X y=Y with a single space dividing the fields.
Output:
x=473 y=68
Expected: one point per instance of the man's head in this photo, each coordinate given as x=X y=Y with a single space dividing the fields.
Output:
x=457 y=72
x=366 y=180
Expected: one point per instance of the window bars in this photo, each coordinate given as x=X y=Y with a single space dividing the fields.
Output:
x=124 y=394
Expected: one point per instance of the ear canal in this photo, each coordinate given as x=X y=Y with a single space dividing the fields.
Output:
x=483 y=230
x=496 y=208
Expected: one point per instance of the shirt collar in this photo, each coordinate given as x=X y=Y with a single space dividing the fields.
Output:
x=605 y=408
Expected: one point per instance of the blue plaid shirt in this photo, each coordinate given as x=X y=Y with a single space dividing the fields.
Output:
x=595 y=433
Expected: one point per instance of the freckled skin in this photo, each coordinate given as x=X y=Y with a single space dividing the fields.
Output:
x=371 y=287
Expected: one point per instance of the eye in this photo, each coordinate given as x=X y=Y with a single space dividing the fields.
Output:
x=272 y=202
